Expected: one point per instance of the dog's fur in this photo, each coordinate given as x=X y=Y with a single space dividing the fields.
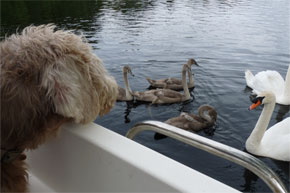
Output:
x=48 y=77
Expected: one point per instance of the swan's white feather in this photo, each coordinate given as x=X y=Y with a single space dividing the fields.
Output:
x=249 y=78
x=276 y=141
x=268 y=80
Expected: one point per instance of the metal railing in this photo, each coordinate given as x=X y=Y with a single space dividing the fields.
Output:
x=239 y=157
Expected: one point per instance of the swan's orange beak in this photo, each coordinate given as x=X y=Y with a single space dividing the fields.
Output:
x=254 y=105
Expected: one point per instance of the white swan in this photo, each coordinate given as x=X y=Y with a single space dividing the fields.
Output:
x=274 y=142
x=125 y=94
x=165 y=96
x=270 y=81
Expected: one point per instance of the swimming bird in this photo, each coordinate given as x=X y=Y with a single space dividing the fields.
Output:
x=174 y=83
x=125 y=94
x=206 y=118
x=274 y=142
x=165 y=96
x=270 y=80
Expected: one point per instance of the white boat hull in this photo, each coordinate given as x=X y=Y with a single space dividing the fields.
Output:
x=91 y=158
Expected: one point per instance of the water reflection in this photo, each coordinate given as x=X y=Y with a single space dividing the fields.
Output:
x=134 y=104
x=65 y=14
x=283 y=166
x=129 y=6
x=129 y=106
x=283 y=110
x=127 y=112
x=250 y=181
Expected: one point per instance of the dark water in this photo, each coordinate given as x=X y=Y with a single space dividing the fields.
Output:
x=155 y=38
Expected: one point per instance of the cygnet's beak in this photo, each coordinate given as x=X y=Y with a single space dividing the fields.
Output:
x=131 y=73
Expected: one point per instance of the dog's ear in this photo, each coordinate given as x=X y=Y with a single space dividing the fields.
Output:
x=69 y=89
x=75 y=79
x=105 y=86
x=80 y=89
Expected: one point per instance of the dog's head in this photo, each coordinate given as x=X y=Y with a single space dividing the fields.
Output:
x=49 y=77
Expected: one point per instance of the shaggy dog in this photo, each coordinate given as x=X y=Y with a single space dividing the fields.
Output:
x=48 y=77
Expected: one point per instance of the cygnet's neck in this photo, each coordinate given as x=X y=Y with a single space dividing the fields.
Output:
x=127 y=85
x=184 y=83
x=190 y=77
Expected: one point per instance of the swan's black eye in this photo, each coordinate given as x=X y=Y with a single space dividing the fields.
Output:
x=255 y=100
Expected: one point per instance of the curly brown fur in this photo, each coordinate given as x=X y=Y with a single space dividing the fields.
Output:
x=48 y=77
x=13 y=176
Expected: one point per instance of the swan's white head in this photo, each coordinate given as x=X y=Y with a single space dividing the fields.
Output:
x=263 y=98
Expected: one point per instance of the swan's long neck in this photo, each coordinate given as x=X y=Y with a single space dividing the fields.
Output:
x=258 y=132
x=287 y=85
x=190 y=77
x=184 y=84
x=127 y=85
